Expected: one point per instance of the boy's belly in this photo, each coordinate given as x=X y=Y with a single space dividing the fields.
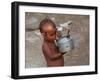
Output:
x=56 y=62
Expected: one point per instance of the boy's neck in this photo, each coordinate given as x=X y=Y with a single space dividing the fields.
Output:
x=48 y=41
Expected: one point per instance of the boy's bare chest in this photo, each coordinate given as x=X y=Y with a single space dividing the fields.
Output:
x=53 y=47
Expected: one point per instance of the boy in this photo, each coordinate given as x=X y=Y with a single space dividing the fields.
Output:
x=51 y=53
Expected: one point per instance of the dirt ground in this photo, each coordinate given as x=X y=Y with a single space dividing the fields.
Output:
x=79 y=32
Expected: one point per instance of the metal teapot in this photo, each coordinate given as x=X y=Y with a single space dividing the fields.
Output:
x=65 y=42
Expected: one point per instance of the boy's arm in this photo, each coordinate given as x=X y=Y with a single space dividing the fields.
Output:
x=50 y=54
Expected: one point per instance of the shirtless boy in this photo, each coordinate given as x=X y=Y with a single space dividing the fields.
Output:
x=50 y=50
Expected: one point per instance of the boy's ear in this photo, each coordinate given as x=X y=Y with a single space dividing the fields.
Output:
x=42 y=34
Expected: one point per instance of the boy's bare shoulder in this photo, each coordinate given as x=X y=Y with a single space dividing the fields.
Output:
x=46 y=49
x=45 y=46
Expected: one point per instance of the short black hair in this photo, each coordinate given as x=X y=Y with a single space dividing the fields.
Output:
x=46 y=21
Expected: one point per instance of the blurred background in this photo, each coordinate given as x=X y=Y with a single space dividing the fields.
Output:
x=79 y=31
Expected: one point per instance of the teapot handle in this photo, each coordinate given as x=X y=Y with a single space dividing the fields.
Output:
x=68 y=35
x=68 y=31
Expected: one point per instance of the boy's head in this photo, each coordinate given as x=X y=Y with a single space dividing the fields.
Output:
x=48 y=29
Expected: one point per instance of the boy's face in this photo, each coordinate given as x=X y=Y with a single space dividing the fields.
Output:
x=49 y=32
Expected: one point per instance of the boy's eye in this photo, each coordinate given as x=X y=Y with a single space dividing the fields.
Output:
x=51 y=34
